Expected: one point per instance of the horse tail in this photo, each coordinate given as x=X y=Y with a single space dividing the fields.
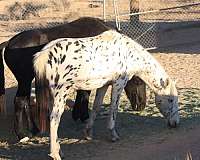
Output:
x=39 y=63
x=42 y=91
x=2 y=78
x=3 y=45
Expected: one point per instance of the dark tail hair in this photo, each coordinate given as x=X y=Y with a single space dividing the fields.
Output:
x=2 y=78
x=42 y=90
x=43 y=95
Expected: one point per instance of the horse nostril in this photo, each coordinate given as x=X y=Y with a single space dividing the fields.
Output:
x=172 y=125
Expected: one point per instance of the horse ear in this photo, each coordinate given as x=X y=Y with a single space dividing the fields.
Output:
x=165 y=83
x=175 y=81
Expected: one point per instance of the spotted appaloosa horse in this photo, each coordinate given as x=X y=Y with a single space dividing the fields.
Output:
x=19 y=53
x=90 y=63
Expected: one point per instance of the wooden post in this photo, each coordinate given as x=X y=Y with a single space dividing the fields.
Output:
x=134 y=8
x=104 y=10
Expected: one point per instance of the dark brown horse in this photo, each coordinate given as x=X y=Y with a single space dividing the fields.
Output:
x=18 y=55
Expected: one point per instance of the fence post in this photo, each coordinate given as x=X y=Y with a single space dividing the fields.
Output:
x=134 y=8
x=104 y=10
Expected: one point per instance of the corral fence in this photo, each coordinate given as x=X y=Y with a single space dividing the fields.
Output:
x=153 y=23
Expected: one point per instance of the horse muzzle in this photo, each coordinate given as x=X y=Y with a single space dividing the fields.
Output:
x=173 y=123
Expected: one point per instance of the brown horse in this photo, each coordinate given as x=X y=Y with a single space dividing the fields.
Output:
x=18 y=55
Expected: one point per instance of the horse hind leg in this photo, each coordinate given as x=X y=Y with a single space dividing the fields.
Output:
x=22 y=105
x=18 y=122
x=31 y=123
x=117 y=89
x=56 y=113
x=100 y=93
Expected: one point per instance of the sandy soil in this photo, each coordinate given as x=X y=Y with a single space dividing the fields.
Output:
x=144 y=135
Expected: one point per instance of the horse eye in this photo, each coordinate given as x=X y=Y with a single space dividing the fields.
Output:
x=170 y=100
x=159 y=102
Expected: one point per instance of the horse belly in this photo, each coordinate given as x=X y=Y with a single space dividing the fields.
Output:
x=91 y=84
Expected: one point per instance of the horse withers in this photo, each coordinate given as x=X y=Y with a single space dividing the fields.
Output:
x=87 y=66
x=19 y=52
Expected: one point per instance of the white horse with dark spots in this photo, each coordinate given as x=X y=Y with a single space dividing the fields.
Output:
x=96 y=62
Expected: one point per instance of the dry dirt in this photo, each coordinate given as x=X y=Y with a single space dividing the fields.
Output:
x=144 y=135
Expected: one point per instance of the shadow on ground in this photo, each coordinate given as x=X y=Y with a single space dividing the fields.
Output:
x=144 y=135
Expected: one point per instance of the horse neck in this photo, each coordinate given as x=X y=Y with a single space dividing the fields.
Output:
x=145 y=66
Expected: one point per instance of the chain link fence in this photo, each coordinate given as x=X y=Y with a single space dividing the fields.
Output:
x=149 y=21
x=20 y=15
x=143 y=20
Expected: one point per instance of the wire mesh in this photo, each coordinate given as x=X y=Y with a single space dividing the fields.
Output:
x=144 y=19
x=20 y=15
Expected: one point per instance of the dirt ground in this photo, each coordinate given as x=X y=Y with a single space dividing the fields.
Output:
x=144 y=135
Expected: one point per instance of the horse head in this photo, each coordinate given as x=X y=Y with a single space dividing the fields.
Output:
x=167 y=102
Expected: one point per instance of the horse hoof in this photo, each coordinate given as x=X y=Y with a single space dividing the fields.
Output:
x=20 y=136
x=61 y=154
x=55 y=156
x=115 y=139
x=88 y=138
x=114 y=136
x=88 y=134
x=23 y=140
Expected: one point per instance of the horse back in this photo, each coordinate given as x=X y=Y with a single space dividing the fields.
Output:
x=29 y=38
x=80 y=28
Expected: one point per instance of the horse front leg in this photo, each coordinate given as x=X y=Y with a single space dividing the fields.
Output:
x=56 y=113
x=80 y=109
x=100 y=93
x=117 y=89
